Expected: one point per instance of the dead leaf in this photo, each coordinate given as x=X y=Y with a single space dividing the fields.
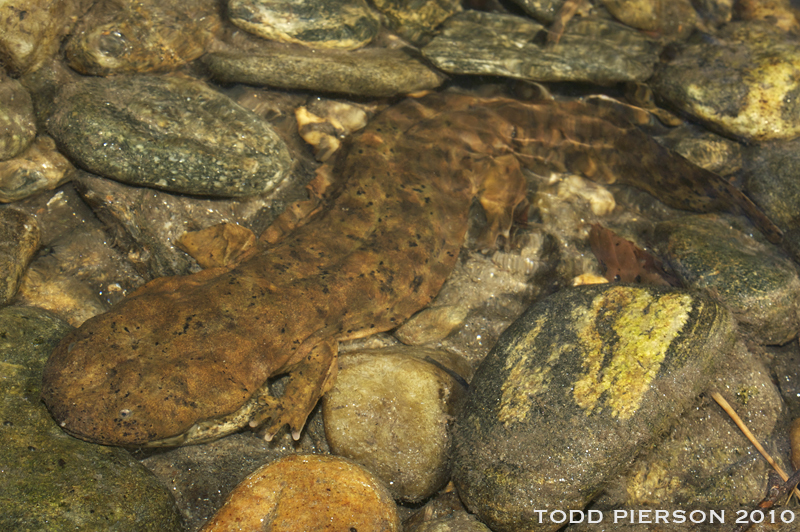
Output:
x=624 y=262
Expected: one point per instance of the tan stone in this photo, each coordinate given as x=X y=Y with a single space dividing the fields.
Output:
x=309 y=493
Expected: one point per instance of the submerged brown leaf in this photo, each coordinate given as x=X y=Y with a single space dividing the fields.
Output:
x=624 y=262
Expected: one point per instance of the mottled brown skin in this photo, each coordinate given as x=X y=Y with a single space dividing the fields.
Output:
x=372 y=246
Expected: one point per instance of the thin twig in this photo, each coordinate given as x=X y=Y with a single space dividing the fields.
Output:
x=749 y=435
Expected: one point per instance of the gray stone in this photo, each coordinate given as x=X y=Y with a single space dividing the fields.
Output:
x=755 y=280
x=591 y=50
x=743 y=82
x=346 y=24
x=369 y=72
x=542 y=10
x=169 y=133
x=773 y=180
x=706 y=149
x=574 y=390
x=443 y=513
x=77 y=274
x=52 y=481
x=670 y=20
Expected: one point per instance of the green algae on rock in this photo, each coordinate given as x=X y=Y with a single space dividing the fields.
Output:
x=706 y=461
x=52 y=481
x=757 y=282
x=169 y=133
x=743 y=82
x=574 y=390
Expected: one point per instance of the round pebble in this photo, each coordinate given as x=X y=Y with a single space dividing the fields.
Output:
x=391 y=410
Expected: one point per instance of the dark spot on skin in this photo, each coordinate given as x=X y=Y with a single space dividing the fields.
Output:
x=416 y=283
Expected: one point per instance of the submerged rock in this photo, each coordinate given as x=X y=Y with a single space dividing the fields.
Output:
x=345 y=24
x=574 y=390
x=756 y=281
x=148 y=223
x=673 y=19
x=119 y=37
x=391 y=410
x=31 y=32
x=742 y=82
x=369 y=72
x=416 y=20
x=40 y=167
x=19 y=240
x=706 y=461
x=169 y=133
x=308 y=492
x=17 y=123
x=591 y=49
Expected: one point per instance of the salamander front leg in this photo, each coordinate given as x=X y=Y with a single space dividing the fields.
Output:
x=308 y=381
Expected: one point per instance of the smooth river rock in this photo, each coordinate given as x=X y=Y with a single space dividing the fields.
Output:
x=170 y=133
x=758 y=283
x=344 y=24
x=742 y=82
x=142 y=36
x=391 y=410
x=574 y=390
x=591 y=50
x=313 y=493
x=368 y=72
x=40 y=167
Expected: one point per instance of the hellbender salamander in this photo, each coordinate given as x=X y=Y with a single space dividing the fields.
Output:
x=185 y=359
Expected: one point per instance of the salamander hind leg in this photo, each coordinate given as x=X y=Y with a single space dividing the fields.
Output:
x=502 y=194
x=307 y=382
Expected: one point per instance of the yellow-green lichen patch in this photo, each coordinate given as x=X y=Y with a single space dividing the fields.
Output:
x=626 y=336
x=523 y=383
